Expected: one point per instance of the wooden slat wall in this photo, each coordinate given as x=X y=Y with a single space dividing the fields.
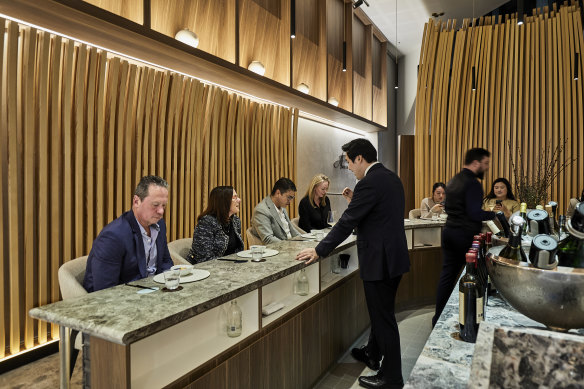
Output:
x=525 y=95
x=80 y=126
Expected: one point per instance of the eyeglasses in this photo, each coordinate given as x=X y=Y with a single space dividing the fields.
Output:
x=290 y=198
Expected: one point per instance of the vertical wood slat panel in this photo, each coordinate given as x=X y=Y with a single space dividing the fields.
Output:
x=43 y=211
x=3 y=164
x=13 y=184
x=81 y=126
x=526 y=96
x=29 y=145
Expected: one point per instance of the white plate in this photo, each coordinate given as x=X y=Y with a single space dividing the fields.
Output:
x=196 y=275
x=267 y=253
x=308 y=236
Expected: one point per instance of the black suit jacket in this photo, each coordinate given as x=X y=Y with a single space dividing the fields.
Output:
x=377 y=210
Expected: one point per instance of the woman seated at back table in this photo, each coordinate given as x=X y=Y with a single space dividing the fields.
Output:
x=501 y=198
x=434 y=205
x=315 y=205
x=218 y=230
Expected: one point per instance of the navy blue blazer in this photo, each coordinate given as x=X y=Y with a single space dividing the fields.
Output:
x=117 y=255
x=377 y=210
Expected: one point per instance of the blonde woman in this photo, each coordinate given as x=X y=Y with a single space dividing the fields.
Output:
x=315 y=205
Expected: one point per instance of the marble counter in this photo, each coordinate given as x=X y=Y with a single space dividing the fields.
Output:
x=123 y=316
x=445 y=361
x=423 y=223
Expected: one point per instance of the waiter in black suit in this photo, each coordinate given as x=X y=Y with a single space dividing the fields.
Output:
x=376 y=209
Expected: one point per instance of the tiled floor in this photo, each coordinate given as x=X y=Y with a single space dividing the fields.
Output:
x=414 y=328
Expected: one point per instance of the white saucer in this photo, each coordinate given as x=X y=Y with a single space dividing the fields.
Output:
x=267 y=253
x=196 y=275
x=308 y=236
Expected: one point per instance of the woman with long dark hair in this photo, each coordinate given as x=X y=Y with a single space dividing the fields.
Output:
x=501 y=198
x=218 y=230
x=434 y=205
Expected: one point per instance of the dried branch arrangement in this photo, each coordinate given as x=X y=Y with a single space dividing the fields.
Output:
x=532 y=187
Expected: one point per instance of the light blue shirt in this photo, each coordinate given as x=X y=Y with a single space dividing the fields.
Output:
x=150 y=246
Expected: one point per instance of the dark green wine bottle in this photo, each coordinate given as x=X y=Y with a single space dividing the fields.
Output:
x=513 y=248
x=571 y=249
x=470 y=305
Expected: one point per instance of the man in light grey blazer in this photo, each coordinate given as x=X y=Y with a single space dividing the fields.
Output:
x=270 y=221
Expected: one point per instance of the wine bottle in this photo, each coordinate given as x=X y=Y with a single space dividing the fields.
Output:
x=234 y=322
x=554 y=213
x=538 y=222
x=470 y=305
x=542 y=253
x=491 y=290
x=523 y=214
x=513 y=250
x=551 y=221
x=571 y=249
x=494 y=229
x=562 y=228
x=481 y=266
x=504 y=223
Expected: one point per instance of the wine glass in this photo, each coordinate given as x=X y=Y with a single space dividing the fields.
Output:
x=331 y=218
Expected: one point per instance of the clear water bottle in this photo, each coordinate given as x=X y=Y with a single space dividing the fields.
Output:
x=234 y=320
x=301 y=285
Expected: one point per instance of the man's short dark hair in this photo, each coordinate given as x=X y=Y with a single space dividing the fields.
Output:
x=476 y=154
x=362 y=147
x=283 y=185
x=145 y=182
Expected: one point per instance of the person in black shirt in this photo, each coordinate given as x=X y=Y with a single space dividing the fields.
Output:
x=218 y=230
x=464 y=198
x=315 y=205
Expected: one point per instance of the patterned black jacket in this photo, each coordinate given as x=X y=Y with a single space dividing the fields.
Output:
x=210 y=241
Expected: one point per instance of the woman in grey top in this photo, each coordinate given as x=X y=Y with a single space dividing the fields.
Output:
x=218 y=230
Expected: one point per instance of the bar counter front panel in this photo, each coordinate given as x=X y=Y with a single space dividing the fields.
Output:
x=178 y=339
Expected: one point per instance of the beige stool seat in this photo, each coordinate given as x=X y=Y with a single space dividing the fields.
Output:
x=295 y=221
x=252 y=239
x=415 y=214
x=71 y=276
x=179 y=249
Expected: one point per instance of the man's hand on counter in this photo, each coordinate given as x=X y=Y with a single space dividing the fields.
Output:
x=308 y=255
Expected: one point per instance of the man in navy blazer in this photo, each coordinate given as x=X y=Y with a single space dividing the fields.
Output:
x=376 y=209
x=134 y=245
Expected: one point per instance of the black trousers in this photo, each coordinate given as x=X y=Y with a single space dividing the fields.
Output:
x=455 y=244
x=380 y=297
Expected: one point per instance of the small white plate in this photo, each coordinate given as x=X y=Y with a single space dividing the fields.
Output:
x=267 y=253
x=196 y=275
x=308 y=236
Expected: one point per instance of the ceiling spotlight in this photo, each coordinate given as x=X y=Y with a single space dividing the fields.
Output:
x=188 y=37
x=257 y=67
x=359 y=3
x=302 y=87
x=333 y=101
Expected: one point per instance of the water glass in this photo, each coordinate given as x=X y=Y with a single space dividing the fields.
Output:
x=331 y=218
x=256 y=253
x=319 y=235
x=335 y=266
x=172 y=279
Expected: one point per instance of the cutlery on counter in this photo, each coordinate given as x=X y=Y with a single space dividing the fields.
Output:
x=232 y=260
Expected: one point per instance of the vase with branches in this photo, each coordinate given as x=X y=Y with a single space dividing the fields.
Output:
x=531 y=186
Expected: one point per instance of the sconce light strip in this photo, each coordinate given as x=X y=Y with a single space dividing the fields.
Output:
x=20 y=354
x=241 y=93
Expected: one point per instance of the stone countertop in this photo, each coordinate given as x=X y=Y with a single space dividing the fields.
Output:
x=445 y=361
x=121 y=315
x=410 y=224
